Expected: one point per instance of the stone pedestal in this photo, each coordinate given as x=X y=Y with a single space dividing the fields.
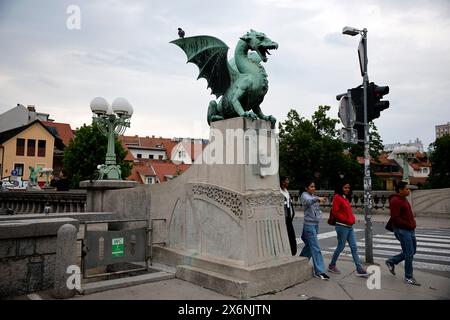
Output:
x=225 y=227
x=96 y=190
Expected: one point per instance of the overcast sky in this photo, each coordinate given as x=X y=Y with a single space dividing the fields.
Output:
x=123 y=49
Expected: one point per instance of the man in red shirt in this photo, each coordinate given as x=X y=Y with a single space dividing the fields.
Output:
x=404 y=225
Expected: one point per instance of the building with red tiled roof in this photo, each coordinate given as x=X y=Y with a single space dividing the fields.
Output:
x=65 y=133
x=388 y=170
x=148 y=147
x=187 y=151
x=148 y=171
x=419 y=169
x=391 y=172
x=156 y=160
x=61 y=130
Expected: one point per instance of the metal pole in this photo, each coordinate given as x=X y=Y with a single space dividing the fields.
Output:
x=367 y=178
x=110 y=154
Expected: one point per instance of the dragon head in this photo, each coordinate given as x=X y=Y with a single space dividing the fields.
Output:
x=260 y=43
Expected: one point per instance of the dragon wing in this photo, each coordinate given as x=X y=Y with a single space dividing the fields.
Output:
x=210 y=56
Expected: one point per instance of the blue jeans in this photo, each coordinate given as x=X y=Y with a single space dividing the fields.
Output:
x=346 y=234
x=408 y=243
x=312 y=248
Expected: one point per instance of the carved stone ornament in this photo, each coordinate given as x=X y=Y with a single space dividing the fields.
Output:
x=229 y=199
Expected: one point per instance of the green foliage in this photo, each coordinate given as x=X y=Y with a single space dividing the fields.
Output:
x=86 y=151
x=312 y=149
x=440 y=161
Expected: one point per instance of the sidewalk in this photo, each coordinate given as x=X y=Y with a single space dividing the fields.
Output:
x=346 y=286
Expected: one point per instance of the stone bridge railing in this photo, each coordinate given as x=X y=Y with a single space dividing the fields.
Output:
x=380 y=200
x=36 y=201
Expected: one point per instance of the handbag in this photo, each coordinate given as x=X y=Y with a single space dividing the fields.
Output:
x=389 y=226
x=331 y=219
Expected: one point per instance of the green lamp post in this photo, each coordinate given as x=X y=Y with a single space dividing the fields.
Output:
x=111 y=120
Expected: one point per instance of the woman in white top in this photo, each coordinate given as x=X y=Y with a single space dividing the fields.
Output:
x=289 y=213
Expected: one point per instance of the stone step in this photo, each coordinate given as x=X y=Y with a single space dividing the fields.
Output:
x=215 y=281
x=100 y=286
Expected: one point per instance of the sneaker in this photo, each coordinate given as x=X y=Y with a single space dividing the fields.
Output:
x=412 y=281
x=361 y=272
x=322 y=276
x=391 y=267
x=334 y=269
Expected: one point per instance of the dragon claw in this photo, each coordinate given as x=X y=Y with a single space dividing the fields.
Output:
x=272 y=120
x=251 y=115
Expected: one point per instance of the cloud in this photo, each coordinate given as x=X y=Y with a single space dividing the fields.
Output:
x=123 y=49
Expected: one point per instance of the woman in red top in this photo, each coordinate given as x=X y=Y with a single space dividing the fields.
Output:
x=343 y=215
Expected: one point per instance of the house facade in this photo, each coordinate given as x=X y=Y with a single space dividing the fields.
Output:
x=27 y=146
x=442 y=130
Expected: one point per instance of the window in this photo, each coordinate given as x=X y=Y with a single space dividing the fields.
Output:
x=41 y=148
x=160 y=157
x=20 y=147
x=31 y=147
x=139 y=156
x=149 y=180
x=19 y=168
x=150 y=156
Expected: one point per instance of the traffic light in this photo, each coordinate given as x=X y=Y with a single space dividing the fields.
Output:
x=374 y=104
x=357 y=95
x=355 y=99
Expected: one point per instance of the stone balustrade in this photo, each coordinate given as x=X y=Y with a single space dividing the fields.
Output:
x=36 y=201
x=380 y=201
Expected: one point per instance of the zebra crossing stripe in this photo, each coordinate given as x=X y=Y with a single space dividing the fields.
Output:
x=417 y=255
x=419 y=243
x=416 y=264
x=388 y=236
x=326 y=235
x=431 y=235
x=398 y=247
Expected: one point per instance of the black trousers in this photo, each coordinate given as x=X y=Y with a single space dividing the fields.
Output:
x=291 y=235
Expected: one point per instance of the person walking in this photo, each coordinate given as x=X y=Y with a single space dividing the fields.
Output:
x=313 y=216
x=343 y=215
x=289 y=213
x=404 y=226
x=63 y=183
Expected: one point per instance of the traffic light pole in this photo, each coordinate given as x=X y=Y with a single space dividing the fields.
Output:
x=367 y=178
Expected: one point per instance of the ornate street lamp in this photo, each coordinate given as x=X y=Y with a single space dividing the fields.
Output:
x=111 y=122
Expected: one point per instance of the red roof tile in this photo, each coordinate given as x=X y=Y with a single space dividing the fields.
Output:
x=155 y=168
x=129 y=156
x=63 y=130
x=166 y=168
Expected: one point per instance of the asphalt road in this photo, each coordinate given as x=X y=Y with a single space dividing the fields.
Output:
x=433 y=245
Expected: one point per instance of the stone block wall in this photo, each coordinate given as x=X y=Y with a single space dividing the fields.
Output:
x=26 y=265
x=28 y=255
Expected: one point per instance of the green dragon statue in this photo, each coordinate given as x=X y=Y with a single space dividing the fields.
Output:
x=242 y=82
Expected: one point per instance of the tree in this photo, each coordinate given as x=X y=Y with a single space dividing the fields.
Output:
x=311 y=149
x=86 y=151
x=376 y=144
x=439 y=155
